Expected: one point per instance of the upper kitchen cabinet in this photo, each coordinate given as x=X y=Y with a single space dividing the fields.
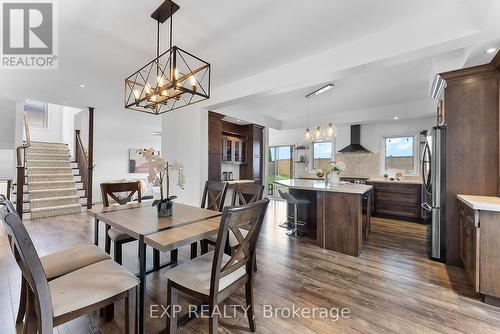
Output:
x=234 y=143
x=470 y=110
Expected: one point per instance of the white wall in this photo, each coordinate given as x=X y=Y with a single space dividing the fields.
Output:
x=68 y=127
x=52 y=133
x=115 y=132
x=7 y=124
x=185 y=138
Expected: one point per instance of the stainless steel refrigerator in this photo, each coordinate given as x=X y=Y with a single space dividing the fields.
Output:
x=434 y=180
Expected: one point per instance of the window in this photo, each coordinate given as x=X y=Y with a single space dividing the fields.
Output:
x=322 y=154
x=37 y=113
x=399 y=153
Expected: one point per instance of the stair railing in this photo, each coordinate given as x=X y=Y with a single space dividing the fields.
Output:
x=85 y=167
x=21 y=166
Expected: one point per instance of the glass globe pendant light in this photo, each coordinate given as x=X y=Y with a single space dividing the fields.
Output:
x=308 y=136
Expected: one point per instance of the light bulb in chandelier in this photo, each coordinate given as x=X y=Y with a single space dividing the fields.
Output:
x=330 y=131
x=192 y=81
x=137 y=94
x=318 y=135
x=307 y=136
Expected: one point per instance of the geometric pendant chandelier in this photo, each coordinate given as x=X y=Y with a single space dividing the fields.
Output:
x=174 y=79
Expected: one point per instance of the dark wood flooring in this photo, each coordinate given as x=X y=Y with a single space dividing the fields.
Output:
x=391 y=288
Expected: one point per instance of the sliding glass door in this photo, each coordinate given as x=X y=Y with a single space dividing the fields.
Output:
x=280 y=163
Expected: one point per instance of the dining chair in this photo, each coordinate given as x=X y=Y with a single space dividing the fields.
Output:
x=214 y=276
x=244 y=193
x=121 y=193
x=213 y=198
x=50 y=304
x=57 y=264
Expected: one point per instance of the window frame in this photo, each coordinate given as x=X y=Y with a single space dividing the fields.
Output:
x=45 y=117
x=416 y=152
x=312 y=151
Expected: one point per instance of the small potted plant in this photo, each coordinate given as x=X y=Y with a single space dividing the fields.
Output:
x=159 y=175
x=386 y=176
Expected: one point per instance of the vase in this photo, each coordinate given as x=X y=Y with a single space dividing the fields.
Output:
x=334 y=178
x=164 y=211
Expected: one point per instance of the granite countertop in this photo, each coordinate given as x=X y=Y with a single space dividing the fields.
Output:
x=319 y=185
x=486 y=203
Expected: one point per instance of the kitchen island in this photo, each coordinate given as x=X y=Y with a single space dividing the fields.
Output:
x=340 y=214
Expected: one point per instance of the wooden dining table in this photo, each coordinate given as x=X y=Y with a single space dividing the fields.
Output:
x=188 y=224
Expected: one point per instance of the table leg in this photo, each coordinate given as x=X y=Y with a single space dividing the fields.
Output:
x=96 y=231
x=142 y=284
x=194 y=250
x=174 y=255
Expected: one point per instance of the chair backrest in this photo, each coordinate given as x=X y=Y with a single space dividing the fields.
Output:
x=247 y=193
x=214 y=195
x=30 y=265
x=251 y=215
x=120 y=192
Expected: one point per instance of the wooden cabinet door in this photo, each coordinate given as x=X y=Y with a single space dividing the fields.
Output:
x=461 y=222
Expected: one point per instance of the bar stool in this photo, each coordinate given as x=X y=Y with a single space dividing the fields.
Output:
x=295 y=203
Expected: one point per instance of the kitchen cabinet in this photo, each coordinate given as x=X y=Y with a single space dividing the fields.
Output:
x=469 y=243
x=233 y=150
x=479 y=235
x=397 y=199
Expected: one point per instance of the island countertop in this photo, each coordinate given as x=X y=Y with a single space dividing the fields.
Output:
x=319 y=185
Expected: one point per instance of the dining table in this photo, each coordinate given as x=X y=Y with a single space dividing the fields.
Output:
x=187 y=225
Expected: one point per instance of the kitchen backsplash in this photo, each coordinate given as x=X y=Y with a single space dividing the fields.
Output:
x=362 y=165
x=227 y=167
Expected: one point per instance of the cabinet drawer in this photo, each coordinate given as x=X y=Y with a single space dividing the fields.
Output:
x=397 y=188
x=409 y=199
x=395 y=209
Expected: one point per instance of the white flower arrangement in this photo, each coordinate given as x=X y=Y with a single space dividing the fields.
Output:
x=158 y=171
x=332 y=167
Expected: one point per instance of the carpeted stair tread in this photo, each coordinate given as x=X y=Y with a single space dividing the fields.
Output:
x=53 y=202
x=50 y=178
x=48 y=163
x=45 y=144
x=56 y=211
x=51 y=185
x=48 y=170
x=51 y=156
x=48 y=193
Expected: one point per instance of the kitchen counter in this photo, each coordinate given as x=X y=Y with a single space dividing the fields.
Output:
x=486 y=203
x=403 y=181
x=319 y=185
x=339 y=214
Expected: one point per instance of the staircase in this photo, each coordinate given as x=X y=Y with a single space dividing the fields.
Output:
x=52 y=184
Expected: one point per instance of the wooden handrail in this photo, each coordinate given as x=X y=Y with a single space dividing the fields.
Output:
x=21 y=172
x=82 y=161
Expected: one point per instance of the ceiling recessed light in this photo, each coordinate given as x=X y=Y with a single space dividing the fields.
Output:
x=83 y=85
x=64 y=102
x=396 y=118
x=238 y=120
x=491 y=50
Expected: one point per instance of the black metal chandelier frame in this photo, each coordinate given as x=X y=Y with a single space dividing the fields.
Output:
x=174 y=79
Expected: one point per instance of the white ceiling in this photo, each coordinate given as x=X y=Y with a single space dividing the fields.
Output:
x=378 y=52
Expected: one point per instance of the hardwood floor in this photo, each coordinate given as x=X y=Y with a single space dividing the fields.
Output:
x=391 y=288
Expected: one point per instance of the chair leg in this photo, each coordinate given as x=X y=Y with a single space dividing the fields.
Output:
x=22 y=301
x=255 y=263
x=213 y=320
x=117 y=250
x=194 y=250
x=174 y=255
x=249 y=301
x=156 y=258
x=109 y=312
x=107 y=242
x=130 y=319
x=171 y=301
x=204 y=246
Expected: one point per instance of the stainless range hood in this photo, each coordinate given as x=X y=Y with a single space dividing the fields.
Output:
x=355 y=145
